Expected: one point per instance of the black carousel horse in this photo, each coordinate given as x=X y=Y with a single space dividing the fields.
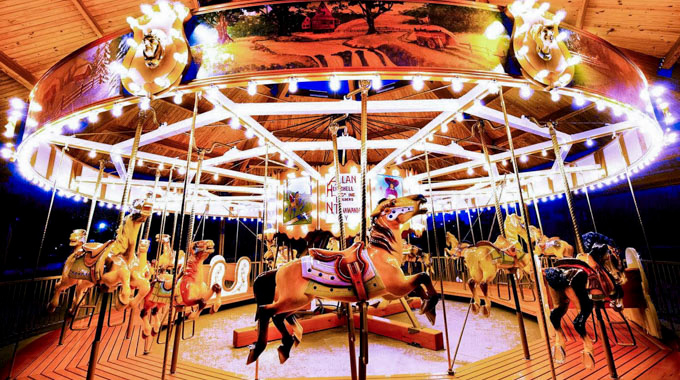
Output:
x=594 y=277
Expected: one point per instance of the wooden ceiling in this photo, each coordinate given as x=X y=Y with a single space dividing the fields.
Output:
x=34 y=35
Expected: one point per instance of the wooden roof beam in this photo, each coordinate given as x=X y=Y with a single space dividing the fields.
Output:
x=672 y=56
x=16 y=71
x=88 y=18
x=581 y=15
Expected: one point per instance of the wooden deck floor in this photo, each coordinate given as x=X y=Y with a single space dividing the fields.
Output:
x=122 y=358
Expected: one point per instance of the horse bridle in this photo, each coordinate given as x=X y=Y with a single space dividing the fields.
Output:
x=396 y=211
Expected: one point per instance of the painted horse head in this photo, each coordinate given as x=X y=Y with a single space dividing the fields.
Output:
x=141 y=209
x=201 y=249
x=393 y=212
x=77 y=238
x=609 y=259
x=152 y=49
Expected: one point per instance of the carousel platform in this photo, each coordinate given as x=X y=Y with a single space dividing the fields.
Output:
x=122 y=358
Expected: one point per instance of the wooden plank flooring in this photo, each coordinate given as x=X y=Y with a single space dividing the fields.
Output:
x=122 y=358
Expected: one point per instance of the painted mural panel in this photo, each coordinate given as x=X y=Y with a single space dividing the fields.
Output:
x=81 y=79
x=297 y=201
x=343 y=34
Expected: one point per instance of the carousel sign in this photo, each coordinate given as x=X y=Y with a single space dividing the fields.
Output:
x=349 y=188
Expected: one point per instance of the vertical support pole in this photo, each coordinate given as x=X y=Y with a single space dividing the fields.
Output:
x=179 y=244
x=472 y=230
x=538 y=214
x=95 y=199
x=153 y=195
x=238 y=223
x=441 y=280
x=190 y=239
x=131 y=166
x=264 y=217
x=94 y=351
x=351 y=336
x=513 y=285
x=567 y=191
x=221 y=244
x=363 y=305
x=526 y=223
x=605 y=341
x=590 y=207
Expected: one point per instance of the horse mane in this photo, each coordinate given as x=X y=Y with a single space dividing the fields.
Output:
x=381 y=236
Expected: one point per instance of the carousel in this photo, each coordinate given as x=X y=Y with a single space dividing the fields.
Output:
x=365 y=140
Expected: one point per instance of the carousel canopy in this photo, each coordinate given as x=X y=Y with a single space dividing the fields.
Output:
x=433 y=83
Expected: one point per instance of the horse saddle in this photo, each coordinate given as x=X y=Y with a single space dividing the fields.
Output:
x=503 y=251
x=89 y=262
x=159 y=290
x=599 y=284
x=348 y=269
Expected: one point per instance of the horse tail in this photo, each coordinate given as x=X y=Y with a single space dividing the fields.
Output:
x=264 y=287
x=556 y=278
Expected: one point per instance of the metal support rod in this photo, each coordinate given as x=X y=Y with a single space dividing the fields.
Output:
x=590 y=207
x=513 y=285
x=264 y=217
x=153 y=195
x=567 y=191
x=94 y=351
x=441 y=280
x=538 y=214
x=163 y=221
x=605 y=341
x=363 y=305
x=95 y=199
x=513 y=158
x=351 y=335
x=179 y=244
x=472 y=230
x=238 y=223
x=131 y=166
x=190 y=240
x=460 y=338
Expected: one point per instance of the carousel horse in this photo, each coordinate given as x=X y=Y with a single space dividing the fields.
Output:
x=192 y=291
x=545 y=246
x=453 y=247
x=105 y=265
x=355 y=274
x=413 y=254
x=485 y=259
x=598 y=276
x=157 y=300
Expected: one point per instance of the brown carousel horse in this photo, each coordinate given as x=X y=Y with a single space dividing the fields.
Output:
x=598 y=275
x=354 y=274
x=485 y=259
x=414 y=254
x=192 y=291
x=157 y=300
x=106 y=265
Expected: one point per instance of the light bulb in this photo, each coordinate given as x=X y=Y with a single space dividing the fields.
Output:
x=544 y=153
x=252 y=88
x=523 y=158
x=418 y=83
x=216 y=177
x=590 y=143
x=249 y=133
x=376 y=82
x=460 y=117
x=470 y=171
x=234 y=123
x=334 y=83
x=92 y=154
x=292 y=85
x=117 y=110
x=525 y=92
x=444 y=128
x=554 y=96
x=457 y=84
x=145 y=103
x=177 y=98
x=140 y=162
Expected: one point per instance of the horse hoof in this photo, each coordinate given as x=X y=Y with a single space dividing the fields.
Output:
x=255 y=352
x=296 y=340
x=474 y=308
x=146 y=352
x=431 y=316
x=486 y=311
x=429 y=304
x=588 y=360
x=284 y=353
x=559 y=354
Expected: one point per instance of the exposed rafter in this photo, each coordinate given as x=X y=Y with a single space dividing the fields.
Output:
x=672 y=55
x=581 y=15
x=16 y=72
x=88 y=18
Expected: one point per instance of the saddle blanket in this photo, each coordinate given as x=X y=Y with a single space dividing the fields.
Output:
x=325 y=282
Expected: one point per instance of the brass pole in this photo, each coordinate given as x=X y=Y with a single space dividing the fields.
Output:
x=590 y=207
x=351 y=336
x=164 y=219
x=441 y=279
x=190 y=240
x=153 y=195
x=526 y=223
x=538 y=214
x=511 y=274
x=131 y=166
x=363 y=305
x=179 y=244
x=264 y=217
x=95 y=198
x=567 y=191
